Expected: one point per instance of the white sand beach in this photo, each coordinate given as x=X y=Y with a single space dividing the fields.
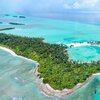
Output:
x=47 y=90
x=14 y=54
x=82 y=44
x=78 y=44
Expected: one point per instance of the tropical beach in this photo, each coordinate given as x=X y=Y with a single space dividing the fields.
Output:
x=49 y=50
x=45 y=87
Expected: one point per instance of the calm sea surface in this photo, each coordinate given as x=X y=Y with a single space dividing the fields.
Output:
x=58 y=31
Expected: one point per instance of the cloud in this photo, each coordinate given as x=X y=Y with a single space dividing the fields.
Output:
x=85 y=3
x=90 y=2
x=35 y=5
x=81 y=4
x=67 y=6
x=76 y=5
x=41 y=6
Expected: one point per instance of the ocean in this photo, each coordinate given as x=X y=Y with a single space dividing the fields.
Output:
x=57 y=31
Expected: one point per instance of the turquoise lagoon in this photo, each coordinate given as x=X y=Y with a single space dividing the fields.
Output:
x=16 y=78
x=85 y=53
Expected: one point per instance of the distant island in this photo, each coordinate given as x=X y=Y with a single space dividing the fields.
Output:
x=78 y=44
x=13 y=23
x=3 y=29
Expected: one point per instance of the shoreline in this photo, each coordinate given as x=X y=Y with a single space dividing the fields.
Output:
x=78 y=44
x=14 y=54
x=46 y=89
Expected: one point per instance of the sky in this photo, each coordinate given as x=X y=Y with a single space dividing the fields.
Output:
x=49 y=6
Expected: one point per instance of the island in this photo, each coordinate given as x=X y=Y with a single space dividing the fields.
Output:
x=13 y=23
x=55 y=69
x=78 y=44
x=3 y=29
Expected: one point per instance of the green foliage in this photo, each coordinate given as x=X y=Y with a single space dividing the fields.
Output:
x=54 y=67
x=22 y=17
x=6 y=29
x=13 y=23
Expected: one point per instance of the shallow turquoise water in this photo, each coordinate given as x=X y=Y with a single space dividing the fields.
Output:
x=85 y=53
x=16 y=78
x=90 y=91
x=17 y=82
x=57 y=31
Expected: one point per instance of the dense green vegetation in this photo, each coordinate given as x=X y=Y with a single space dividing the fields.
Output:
x=13 y=23
x=3 y=29
x=53 y=59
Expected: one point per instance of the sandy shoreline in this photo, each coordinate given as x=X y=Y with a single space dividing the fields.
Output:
x=14 y=54
x=82 y=44
x=46 y=89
